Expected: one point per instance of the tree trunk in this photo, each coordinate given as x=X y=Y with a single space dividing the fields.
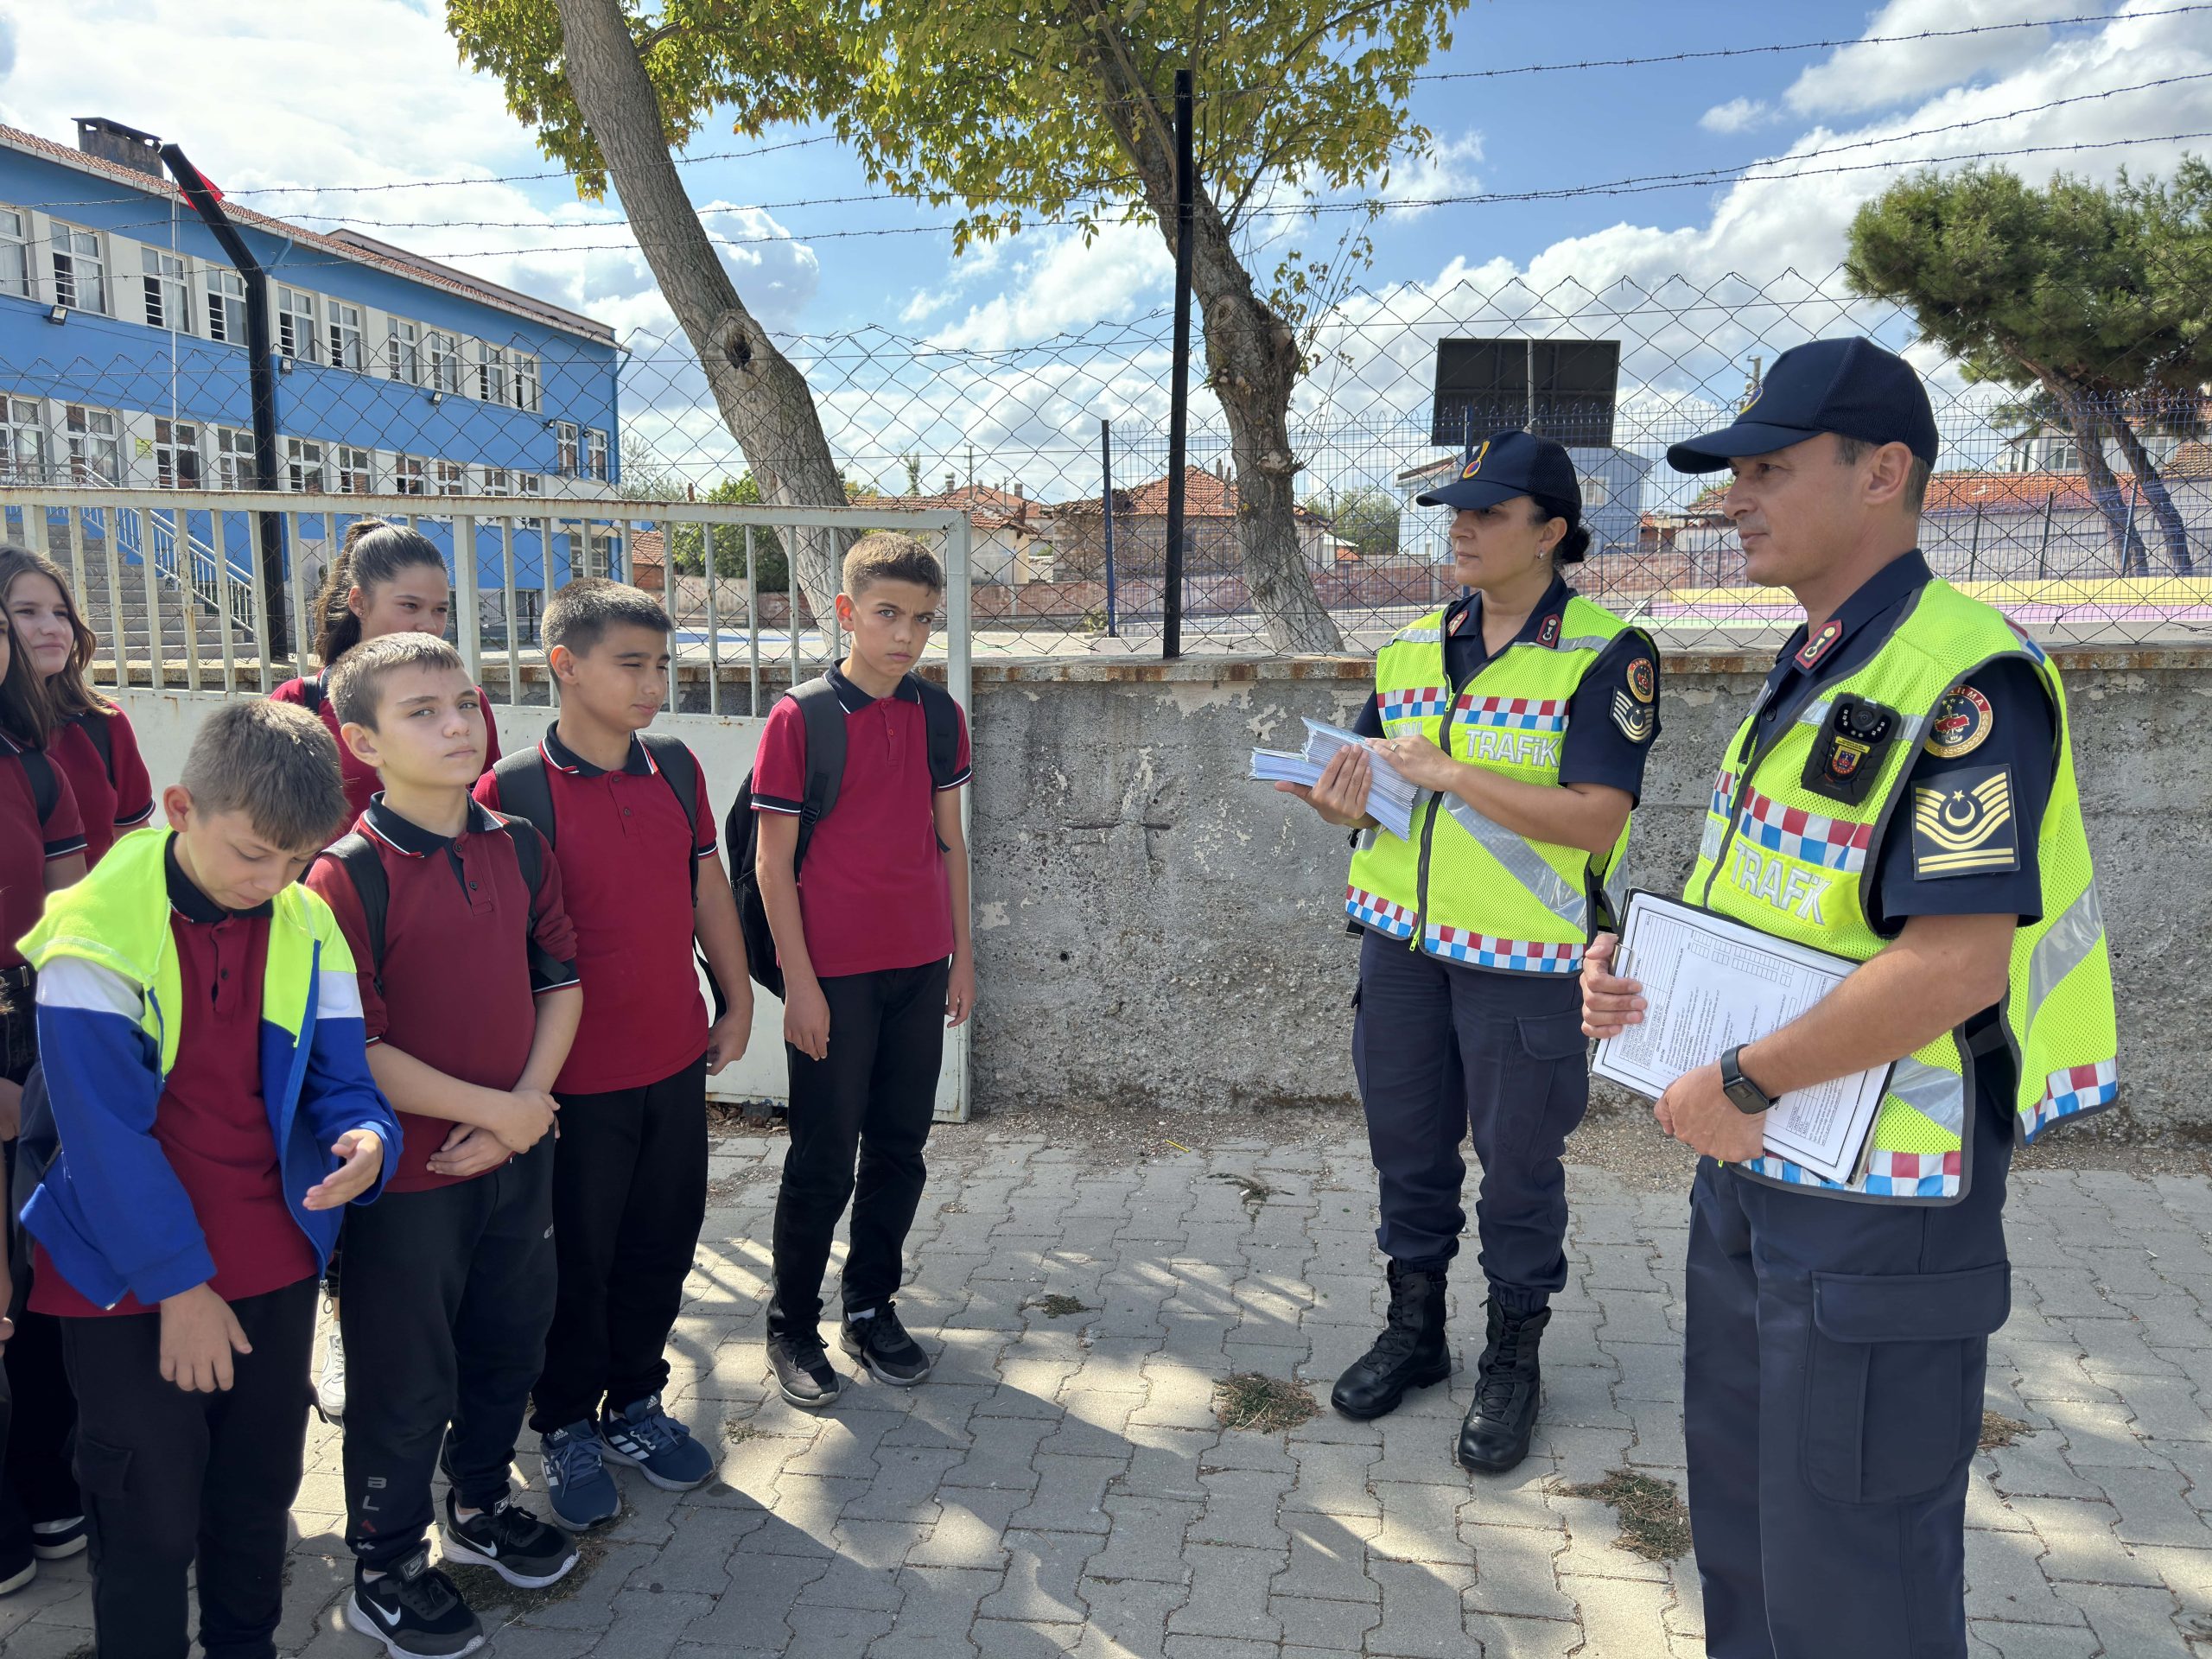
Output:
x=764 y=402
x=2153 y=489
x=2088 y=424
x=1252 y=359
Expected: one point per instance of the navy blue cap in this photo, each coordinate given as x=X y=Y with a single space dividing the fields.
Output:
x=1851 y=387
x=1510 y=463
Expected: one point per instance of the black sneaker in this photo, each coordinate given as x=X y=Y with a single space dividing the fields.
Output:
x=804 y=1372
x=56 y=1540
x=18 y=1566
x=514 y=1543
x=881 y=1343
x=414 y=1610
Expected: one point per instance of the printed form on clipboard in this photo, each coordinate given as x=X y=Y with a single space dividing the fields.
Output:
x=1709 y=984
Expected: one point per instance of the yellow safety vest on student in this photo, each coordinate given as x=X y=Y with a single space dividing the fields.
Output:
x=1464 y=888
x=1780 y=857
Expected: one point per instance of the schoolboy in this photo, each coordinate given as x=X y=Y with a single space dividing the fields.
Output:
x=641 y=882
x=873 y=941
x=200 y=1033
x=470 y=999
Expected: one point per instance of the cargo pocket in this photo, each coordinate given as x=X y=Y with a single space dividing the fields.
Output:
x=103 y=1471
x=1552 y=1037
x=1893 y=1379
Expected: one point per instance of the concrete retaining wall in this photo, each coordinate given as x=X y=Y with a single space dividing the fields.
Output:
x=1151 y=928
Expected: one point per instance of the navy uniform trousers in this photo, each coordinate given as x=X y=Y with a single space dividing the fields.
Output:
x=1443 y=1053
x=1831 y=1401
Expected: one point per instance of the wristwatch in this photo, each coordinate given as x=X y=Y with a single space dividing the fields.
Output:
x=1750 y=1099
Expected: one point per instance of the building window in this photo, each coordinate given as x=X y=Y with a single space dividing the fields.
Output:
x=403 y=352
x=234 y=467
x=296 y=324
x=176 y=455
x=2062 y=456
x=452 y=478
x=168 y=303
x=526 y=383
x=407 y=476
x=491 y=373
x=564 y=448
x=595 y=453
x=531 y=487
x=354 y=477
x=445 y=363
x=305 y=456
x=1596 y=492
x=498 y=482
x=22 y=442
x=95 y=450
x=225 y=306
x=79 y=272
x=345 y=335
x=15 y=253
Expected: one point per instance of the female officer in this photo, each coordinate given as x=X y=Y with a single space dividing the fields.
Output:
x=1529 y=711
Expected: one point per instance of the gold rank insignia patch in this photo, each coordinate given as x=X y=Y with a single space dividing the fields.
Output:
x=1964 y=825
x=1635 y=719
x=1643 y=682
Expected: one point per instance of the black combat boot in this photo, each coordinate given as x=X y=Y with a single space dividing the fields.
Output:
x=1409 y=1354
x=1496 y=1434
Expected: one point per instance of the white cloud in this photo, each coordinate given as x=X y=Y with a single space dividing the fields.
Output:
x=1737 y=115
x=326 y=96
x=1064 y=283
x=1445 y=169
x=1876 y=76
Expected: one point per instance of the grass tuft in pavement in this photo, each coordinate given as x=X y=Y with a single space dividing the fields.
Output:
x=1057 y=1307
x=1265 y=1405
x=1654 y=1523
x=1999 y=1430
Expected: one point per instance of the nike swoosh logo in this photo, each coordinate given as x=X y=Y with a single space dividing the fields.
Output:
x=391 y=1619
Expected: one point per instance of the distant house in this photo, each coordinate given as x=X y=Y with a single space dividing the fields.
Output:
x=1010 y=534
x=1211 y=546
x=1612 y=498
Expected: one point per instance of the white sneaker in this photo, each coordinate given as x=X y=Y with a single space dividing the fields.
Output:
x=330 y=1386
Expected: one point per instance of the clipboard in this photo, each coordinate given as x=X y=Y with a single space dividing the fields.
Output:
x=1710 y=984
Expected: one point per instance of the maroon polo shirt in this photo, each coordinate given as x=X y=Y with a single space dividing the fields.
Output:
x=873 y=893
x=113 y=796
x=467 y=950
x=626 y=852
x=361 y=784
x=28 y=843
x=212 y=1122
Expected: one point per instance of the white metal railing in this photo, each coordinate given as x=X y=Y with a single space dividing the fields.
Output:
x=204 y=607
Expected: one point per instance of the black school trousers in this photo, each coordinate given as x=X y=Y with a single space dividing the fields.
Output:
x=870 y=1101
x=445 y=1317
x=174 y=1479
x=629 y=1197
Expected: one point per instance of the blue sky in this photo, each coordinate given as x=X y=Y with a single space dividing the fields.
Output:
x=269 y=94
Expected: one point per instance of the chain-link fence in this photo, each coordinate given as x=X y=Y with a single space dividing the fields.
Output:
x=2087 y=517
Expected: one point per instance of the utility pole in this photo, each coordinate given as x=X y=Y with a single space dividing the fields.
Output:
x=261 y=373
x=1178 y=404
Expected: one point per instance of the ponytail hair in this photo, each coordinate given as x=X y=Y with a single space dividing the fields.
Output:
x=26 y=712
x=373 y=552
x=66 y=694
x=1574 y=546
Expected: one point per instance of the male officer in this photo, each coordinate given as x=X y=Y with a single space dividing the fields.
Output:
x=1529 y=711
x=1902 y=796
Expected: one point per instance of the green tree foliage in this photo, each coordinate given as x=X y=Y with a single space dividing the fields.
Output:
x=1367 y=518
x=1017 y=114
x=2096 y=297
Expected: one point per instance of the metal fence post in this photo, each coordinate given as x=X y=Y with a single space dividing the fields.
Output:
x=1179 y=404
x=1106 y=502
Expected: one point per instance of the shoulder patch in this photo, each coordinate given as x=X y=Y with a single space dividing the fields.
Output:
x=1965 y=825
x=1636 y=720
x=1643 y=683
x=1961 y=723
x=1817 y=647
x=1548 y=633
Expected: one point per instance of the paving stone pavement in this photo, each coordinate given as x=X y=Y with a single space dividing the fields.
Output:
x=1061 y=1485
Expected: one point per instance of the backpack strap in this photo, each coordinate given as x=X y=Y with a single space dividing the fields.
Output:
x=529 y=855
x=94 y=724
x=357 y=856
x=676 y=762
x=524 y=791
x=941 y=719
x=312 y=694
x=46 y=782
x=825 y=757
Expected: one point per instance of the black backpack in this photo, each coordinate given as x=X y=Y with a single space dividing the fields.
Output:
x=825 y=774
x=357 y=856
x=312 y=694
x=46 y=782
x=525 y=792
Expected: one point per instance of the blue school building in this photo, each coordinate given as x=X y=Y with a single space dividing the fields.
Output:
x=124 y=363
